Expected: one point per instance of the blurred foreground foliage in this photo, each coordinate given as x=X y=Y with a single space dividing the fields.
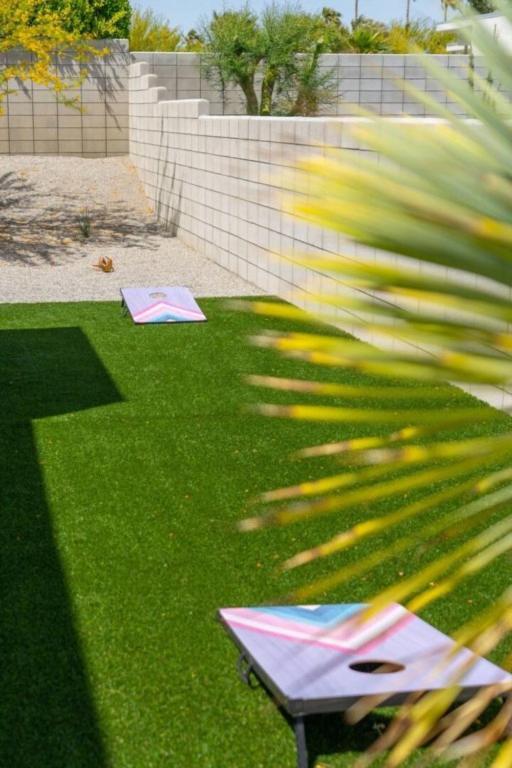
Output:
x=432 y=203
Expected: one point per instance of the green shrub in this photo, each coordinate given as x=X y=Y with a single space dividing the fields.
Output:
x=94 y=18
x=284 y=44
x=150 y=32
x=482 y=6
x=402 y=38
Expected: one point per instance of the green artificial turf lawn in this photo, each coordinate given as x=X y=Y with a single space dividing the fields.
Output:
x=128 y=455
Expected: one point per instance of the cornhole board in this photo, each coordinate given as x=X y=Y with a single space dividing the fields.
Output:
x=323 y=658
x=167 y=304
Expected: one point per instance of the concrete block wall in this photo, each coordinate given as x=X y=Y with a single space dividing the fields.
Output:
x=213 y=178
x=218 y=183
x=372 y=81
x=34 y=122
x=366 y=80
x=183 y=76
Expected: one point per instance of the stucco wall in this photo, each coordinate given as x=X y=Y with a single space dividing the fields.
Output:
x=34 y=122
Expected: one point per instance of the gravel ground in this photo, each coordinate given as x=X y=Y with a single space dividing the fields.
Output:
x=45 y=257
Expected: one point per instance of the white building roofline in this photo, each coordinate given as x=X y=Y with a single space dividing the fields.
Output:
x=460 y=23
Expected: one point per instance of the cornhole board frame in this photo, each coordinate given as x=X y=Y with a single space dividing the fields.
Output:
x=160 y=305
x=305 y=657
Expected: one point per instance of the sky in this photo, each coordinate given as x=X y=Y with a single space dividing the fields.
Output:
x=188 y=13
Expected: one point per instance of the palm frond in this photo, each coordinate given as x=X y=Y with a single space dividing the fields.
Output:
x=432 y=203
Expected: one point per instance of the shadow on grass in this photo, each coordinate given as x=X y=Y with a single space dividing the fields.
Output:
x=47 y=713
x=330 y=735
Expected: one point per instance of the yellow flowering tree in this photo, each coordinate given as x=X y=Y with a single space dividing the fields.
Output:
x=41 y=33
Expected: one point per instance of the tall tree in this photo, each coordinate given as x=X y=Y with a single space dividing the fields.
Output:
x=150 y=32
x=482 y=6
x=93 y=18
x=284 y=45
x=408 y=11
x=234 y=50
x=446 y=4
x=335 y=34
x=292 y=41
x=192 y=41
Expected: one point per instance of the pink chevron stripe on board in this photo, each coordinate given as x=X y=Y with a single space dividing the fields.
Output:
x=347 y=638
x=162 y=306
x=185 y=310
x=150 y=311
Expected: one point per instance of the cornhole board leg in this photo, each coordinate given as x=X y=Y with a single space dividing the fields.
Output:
x=300 y=739
x=245 y=670
x=124 y=308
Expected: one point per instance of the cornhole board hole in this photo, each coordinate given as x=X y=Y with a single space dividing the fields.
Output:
x=317 y=659
x=161 y=305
